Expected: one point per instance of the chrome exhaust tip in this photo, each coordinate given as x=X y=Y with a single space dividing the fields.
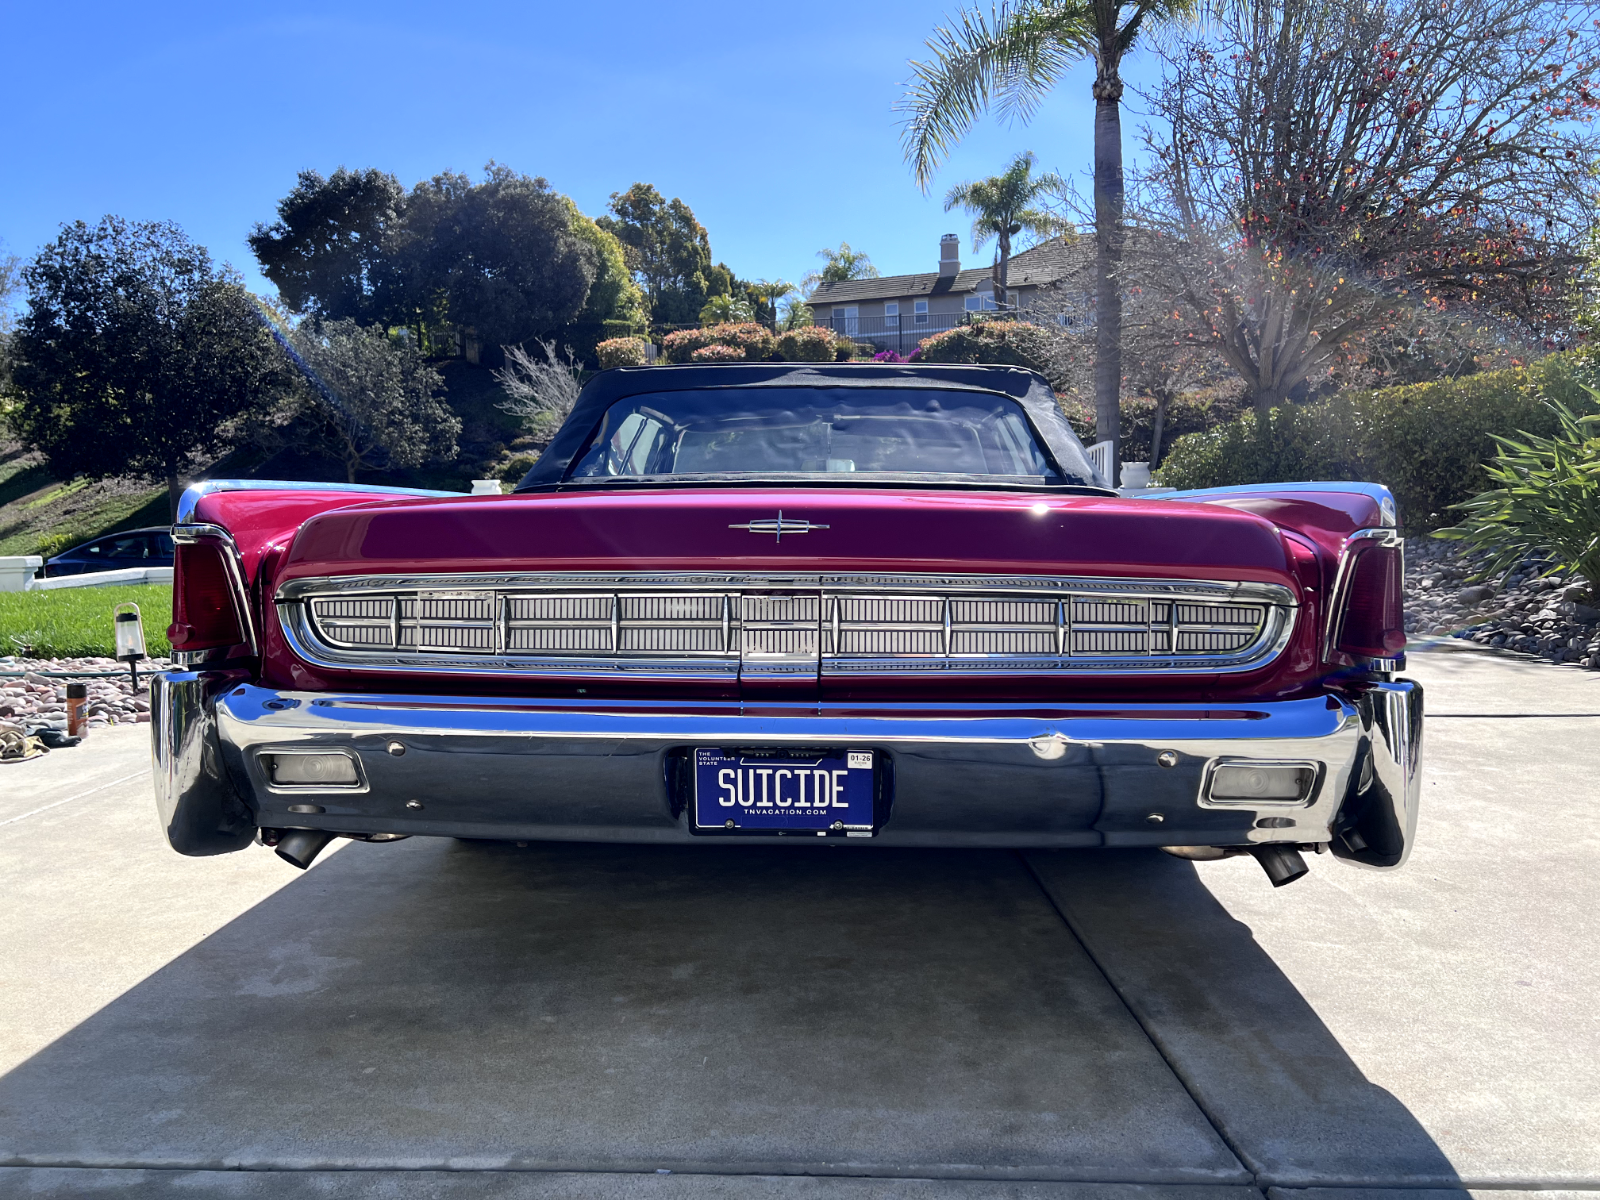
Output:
x=300 y=847
x=1282 y=864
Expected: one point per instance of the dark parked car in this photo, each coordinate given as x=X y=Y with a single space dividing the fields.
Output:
x=115 y=552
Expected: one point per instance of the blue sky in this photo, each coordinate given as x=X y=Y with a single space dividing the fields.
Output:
x=774 y=122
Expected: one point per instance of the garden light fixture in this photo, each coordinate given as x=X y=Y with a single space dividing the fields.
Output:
x=130 y=638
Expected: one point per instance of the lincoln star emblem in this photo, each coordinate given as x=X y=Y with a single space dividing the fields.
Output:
x=778 y=526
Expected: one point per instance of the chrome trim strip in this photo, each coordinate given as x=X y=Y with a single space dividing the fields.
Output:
x=1200 y=589
x=1271 y=634
x=193 y=534
x=193 y=493
x=1375 y=491
x=1338 y=595
x=284 y=717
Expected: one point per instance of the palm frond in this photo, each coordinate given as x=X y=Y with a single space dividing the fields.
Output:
x=1011 y=57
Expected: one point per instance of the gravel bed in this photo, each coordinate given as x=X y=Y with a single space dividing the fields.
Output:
x=1552 y=616
x=32 y=699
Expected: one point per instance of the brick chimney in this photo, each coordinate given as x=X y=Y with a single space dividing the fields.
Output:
x=949 y=256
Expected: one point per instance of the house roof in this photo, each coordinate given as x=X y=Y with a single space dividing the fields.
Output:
x=1048 y=262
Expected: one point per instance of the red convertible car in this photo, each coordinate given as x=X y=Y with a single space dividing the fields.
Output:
x=843 y=605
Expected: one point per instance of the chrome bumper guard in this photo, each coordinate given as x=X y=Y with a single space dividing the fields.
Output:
x=1081 y=775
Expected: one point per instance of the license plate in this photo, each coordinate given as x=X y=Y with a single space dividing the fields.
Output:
x=767 y=792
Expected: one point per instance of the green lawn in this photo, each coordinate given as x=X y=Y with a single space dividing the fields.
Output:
x=76 y=622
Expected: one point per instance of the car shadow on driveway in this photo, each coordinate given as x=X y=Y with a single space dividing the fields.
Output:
x=748 y=1010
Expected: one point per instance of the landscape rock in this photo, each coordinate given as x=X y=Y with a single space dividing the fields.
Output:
x=1536 y=609
x=33 y=691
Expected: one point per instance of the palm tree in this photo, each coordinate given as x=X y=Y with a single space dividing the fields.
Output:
x=768 y=292
x=843 y=264
x=726 y=310
x=1003 y=206
x=1011 y=59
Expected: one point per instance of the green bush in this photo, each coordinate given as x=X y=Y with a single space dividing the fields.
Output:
x=1428 y=442
x=515 y=468
x=52 y=544
x=1192 y=412
x=808 y=343
x=620 y=352
x=76 y=622
x=1009 y=343
x=755 y=342
x=844 y=349
x=1548 y=501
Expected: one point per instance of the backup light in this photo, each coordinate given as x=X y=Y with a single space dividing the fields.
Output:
x=311 y=770
x=1261 y=781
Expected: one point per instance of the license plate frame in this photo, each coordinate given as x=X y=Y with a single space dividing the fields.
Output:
x=743 y=792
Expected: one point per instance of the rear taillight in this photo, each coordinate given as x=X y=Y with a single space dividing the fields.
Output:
x=205 y=600
x=1369 y=604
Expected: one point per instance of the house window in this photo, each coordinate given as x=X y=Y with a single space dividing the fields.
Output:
x=920 y=312
x=972 y=304
x=988 y=302
x=847 y=320
x=891 y=314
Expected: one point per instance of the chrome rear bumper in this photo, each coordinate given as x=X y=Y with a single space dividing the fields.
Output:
x=1078 y=775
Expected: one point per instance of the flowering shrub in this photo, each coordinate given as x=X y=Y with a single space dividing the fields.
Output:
x=707 y=354
x=889 y=356
x=754 y=342
x=1008 y=343
x=620 y=352
x=808 y=343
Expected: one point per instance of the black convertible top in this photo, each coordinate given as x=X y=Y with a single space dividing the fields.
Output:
x=1028 y=388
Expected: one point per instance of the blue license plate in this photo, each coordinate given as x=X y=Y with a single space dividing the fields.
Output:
x=766 y=792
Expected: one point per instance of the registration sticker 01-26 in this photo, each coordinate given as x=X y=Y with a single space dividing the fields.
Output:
x=762 y=791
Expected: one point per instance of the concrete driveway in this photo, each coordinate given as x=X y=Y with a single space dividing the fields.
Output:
x=458 y=1020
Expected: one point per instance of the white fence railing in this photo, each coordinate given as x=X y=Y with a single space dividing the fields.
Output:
x=1100 y=459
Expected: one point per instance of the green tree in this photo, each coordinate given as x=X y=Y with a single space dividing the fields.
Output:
x=1005 y=205
x=1012 y=58
x=616 y=304
x=500 y=258
x=136 y=357
x=327 y=253
x=369 y=400
x=10 y=288
x=838 y=266
x=669 y=252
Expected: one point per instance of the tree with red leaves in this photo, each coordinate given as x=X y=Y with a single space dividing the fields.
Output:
x=1325 y=173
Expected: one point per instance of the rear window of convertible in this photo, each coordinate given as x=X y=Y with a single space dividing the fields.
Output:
x=765 y=432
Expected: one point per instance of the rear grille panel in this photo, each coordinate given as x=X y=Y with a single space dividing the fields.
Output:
x=833 y=625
